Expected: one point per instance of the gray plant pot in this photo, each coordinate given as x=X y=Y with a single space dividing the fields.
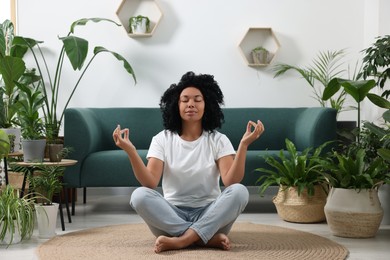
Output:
x=34 y=150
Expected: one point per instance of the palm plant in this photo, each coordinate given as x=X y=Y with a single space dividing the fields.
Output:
x=47 y=181
x=76 y=50
x=325 y=67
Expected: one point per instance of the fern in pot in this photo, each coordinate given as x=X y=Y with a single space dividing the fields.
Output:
x=302 y=194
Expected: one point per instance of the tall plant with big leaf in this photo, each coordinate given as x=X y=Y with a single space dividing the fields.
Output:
x=12 y=67
x=358 y=90
x=76 y=50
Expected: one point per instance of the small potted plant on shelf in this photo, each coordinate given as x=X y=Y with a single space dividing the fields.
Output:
x=302 y=194
x=139 y=24
x=46 y=182
x=261 y=55
x=16 y=216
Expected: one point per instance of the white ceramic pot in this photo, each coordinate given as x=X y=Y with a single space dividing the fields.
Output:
x=353 y=213
x=10 y=238
x=139 y=27
x=47 y=219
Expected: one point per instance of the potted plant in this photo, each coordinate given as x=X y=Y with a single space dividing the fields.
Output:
x=139 y=24
x=353 y=208
x=302 y=194
x=76 y=50
x=46 y=182
x=28 y=118
x=355 y=171
x=260 y=55
x=16 y=216
x=12 y=67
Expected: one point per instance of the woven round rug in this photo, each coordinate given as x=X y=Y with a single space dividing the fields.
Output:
x=135 y=241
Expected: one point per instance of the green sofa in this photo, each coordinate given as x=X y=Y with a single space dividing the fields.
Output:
x=101 y=164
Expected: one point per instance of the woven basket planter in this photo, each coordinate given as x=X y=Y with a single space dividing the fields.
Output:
x=352 y=213
x=303 y=208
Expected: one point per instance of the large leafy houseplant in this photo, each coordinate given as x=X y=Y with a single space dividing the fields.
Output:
x=325 y=67
x=12 y=67
x=294 y=169
x=76 y=51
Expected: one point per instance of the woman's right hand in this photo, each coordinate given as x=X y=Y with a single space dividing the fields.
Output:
x=121 y=139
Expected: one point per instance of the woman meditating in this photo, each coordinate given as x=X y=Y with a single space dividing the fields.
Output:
x=191 y=157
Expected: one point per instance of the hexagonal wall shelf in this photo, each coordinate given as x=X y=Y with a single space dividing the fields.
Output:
x=149 y=8
x=259 y=37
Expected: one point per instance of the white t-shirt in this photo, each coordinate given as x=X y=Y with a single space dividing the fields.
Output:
x=190 y=175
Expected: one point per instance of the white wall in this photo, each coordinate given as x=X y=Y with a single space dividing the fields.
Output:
x=4 y=10
x=203 y=36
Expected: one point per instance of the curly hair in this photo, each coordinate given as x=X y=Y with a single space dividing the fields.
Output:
x=213 y=97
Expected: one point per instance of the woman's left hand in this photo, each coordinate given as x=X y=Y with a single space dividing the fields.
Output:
x=253 y=131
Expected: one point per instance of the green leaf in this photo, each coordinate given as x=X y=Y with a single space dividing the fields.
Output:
x=378 y=100
x=76 y=50
x=84 y=21
x=126 y=65
x=384 y=153
x=11 y=69
x=358 y=89
x=331 y=89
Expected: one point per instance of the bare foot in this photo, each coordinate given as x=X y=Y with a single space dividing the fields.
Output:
x=221 y=241
x=164 y=243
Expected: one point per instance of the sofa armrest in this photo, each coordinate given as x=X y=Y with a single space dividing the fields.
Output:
x=83 y=135
x=314 y=127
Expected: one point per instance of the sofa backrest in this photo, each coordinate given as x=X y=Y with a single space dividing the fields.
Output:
x=279 y=123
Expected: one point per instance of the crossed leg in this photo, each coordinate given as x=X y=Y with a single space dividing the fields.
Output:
x=190 y=237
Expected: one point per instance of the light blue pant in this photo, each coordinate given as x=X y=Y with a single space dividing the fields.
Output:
x=163 y=218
